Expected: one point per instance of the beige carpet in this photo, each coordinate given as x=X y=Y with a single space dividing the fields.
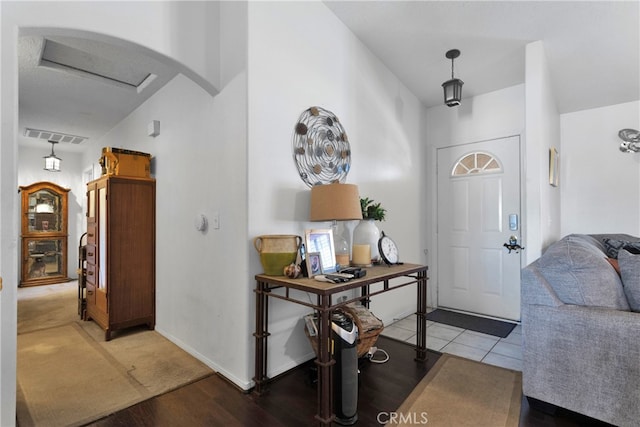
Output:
x=47 y=308
x=460 y=392
x=68 y=375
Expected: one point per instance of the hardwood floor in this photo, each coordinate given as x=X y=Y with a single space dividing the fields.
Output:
x=291 y=400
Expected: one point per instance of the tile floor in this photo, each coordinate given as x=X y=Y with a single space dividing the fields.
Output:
x=504 y=352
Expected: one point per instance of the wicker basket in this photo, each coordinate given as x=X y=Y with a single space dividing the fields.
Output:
x=366 y=339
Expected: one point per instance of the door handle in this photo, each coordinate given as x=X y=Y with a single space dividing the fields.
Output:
x=513 y=245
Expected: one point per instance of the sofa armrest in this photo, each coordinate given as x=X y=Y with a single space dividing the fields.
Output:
x=585 y=359
x=535 y=289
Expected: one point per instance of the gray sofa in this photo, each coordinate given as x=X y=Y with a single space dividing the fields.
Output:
x=581 y=328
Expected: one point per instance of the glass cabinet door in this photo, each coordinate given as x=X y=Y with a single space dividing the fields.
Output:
x=45 y=211
x=44 y=258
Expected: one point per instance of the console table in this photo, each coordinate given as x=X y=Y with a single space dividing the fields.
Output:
x=379 y=279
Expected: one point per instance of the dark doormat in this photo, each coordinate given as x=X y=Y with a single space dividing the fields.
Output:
x=474 y=323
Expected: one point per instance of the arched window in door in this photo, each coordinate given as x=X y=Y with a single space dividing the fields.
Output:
x=476 y=163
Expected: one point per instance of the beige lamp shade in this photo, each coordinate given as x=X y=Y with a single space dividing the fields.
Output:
x=340 y=202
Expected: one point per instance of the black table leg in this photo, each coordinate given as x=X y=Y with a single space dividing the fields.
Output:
x=421 y=345
x=261 y=334
x=325 y=364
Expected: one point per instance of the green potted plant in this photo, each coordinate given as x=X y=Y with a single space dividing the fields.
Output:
x=372 y=210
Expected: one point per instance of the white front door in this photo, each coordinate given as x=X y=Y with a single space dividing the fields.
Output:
x=478 y=212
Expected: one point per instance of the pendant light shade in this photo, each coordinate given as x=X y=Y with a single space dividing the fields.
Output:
x=51 y=162
x=453 y=87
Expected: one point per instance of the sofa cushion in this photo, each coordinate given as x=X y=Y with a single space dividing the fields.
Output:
x=630 y=273
x=579 y=273
x=613 y=246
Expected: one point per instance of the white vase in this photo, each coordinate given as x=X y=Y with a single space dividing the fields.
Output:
x=367 y=233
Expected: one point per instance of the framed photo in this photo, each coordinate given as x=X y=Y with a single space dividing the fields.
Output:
x=314 y=263
x=321 y=241
x=554 y=159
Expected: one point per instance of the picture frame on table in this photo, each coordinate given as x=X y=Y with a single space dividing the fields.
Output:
x=321 y=241
x=314 y=264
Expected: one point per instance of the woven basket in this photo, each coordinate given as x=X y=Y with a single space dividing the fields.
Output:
x=366 y=339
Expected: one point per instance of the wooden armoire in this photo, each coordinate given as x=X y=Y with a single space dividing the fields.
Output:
x=121 y=252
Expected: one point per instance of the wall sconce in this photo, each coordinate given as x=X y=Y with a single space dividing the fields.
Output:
x=51 y=162
x=630 y=140
x=453 y=87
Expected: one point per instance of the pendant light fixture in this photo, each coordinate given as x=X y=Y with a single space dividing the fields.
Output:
x=51 y=162
x=453 y=87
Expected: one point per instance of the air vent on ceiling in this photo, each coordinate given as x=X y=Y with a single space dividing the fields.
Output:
x=54 y=136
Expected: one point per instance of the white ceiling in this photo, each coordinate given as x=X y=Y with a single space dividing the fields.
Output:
x=592 y=48
x=65 y=100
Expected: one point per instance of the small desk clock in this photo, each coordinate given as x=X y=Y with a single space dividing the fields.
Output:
x=388 y=250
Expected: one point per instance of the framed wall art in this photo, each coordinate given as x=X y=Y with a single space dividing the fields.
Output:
x=554 y=172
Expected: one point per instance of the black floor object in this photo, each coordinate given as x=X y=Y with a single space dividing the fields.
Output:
x=474 y=323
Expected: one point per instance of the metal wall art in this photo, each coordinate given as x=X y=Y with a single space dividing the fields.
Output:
x=321 y=148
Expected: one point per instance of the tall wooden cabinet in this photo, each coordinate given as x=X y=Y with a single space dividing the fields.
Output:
x=120 y=252
x=44 y=234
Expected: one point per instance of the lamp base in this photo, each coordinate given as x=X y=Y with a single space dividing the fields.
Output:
x=342 y=259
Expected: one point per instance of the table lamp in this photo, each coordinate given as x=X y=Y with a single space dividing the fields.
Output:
x=336 y=202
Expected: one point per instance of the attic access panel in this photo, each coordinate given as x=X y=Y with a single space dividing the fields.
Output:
x=66 y=58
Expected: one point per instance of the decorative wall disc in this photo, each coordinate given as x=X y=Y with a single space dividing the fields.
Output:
x=321 y=148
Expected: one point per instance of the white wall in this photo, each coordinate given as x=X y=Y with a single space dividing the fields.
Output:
x=600 y=185
x=542 y=201
x=30 y=170
x=494 y=115
x=9 y=219
x=301 y=55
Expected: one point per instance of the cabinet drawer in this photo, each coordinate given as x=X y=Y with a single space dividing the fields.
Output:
x=91 y=294
x=92 y=234
x=92 y=274
x=91 y=254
